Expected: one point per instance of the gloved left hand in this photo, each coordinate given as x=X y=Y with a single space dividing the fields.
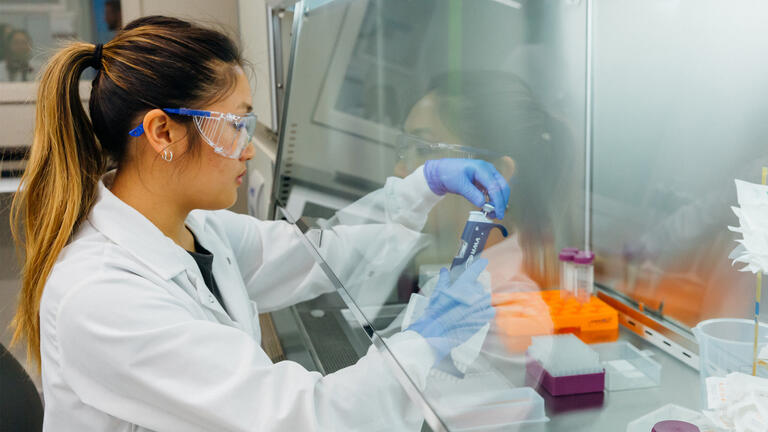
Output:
x=470 y=178
x=456 y=310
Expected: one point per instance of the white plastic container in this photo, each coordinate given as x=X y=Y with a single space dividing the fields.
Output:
x=726 y=345
x=583 y=264
x=626 y=367
x=483 y=401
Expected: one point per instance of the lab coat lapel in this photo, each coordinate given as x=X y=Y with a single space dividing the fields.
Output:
x=205 y=297
x=226 y=273
x=128 y=228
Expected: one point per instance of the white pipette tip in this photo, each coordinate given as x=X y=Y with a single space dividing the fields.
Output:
x=487 y=209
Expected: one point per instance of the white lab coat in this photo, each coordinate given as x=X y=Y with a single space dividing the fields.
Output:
x=133 y=340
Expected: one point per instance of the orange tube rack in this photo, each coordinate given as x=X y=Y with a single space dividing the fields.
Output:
x=521 y=315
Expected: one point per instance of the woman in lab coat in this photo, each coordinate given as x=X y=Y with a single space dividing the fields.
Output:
x=140 y=296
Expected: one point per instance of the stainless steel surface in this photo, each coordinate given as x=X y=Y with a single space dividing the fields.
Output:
x=679 y=385
x=330 y=339
x=307 y=340
x=675 y=340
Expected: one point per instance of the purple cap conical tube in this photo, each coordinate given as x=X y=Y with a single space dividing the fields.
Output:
x=566 y=254
x=674 y=426
x=584 y=257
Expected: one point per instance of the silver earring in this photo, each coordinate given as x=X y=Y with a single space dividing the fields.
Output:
x=167 y=155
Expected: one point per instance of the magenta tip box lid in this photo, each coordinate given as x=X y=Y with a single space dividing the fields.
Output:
x=674 y=426
x=584 y=257
x=566 y=255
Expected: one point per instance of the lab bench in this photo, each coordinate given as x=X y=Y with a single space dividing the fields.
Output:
x=613 y=410
x=332 y=339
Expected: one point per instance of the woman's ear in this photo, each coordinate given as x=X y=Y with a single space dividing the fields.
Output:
x=162 y=132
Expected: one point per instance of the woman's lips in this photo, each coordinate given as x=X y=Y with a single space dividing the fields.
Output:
x=240 y=178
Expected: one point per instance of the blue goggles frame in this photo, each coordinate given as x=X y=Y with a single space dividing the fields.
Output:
x=209 y=124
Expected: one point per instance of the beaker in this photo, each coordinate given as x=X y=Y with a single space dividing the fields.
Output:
x=727 y=345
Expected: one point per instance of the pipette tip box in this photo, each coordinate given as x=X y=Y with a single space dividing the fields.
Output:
x=564 y=365
x=565 y=385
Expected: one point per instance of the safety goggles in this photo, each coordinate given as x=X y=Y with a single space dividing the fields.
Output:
x=228 y=134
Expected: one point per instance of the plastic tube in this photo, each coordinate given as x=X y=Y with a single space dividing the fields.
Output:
x=567 y=280
x=583 y=263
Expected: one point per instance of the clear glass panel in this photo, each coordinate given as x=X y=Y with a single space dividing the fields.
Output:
x=379 y=87
x=678 y=115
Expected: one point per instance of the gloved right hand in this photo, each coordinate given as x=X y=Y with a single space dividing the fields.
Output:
x=456 y=311
x=470 y=178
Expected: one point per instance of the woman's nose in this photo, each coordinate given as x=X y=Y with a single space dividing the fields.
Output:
x=248 y=153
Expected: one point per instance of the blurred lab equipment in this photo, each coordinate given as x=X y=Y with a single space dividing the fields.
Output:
x=16 y=65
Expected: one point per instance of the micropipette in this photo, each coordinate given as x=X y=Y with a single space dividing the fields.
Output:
x=474 y=236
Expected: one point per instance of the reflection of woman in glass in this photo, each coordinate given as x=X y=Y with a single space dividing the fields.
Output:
x=18 y=52
x=497 y=111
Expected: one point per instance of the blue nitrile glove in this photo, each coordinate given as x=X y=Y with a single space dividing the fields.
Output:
x=468 y=178
x=456 y=311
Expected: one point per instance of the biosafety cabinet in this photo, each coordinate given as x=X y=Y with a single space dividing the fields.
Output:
x=621 y=126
